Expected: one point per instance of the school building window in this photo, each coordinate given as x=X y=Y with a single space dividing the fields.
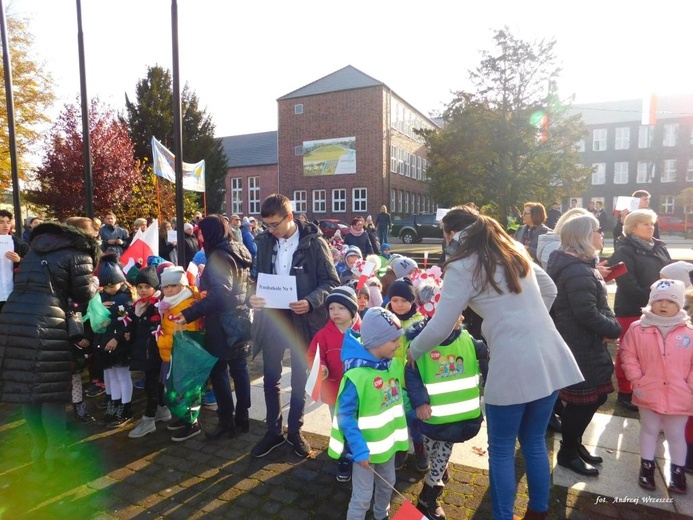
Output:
x=301 y=201
x=668 y=204
x=599 y=139
x=359 y=200
x=298 y=109
x=622 y=138
x=393 y=158
x=339 y=201
x=670 y=134
x=669 y=173
x=645 y=136
x=237 y=195
x=689 y=171
x=599 y=173
x=399 y=201
x=621 y=173
x=254 y=195
x=393 y=200
x=643 y=175
x=319 y=201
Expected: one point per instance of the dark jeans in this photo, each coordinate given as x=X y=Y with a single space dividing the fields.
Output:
x=221 y=384
x=154 y=391
x=46 y=423
x=272 y=355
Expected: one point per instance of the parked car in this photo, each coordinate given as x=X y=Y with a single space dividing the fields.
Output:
x=415 y=228
x=671 y=224
x=329 y=225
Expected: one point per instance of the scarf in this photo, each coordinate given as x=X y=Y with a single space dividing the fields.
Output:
x=172 y=301
x=663 y=323
x=355 y=232
x=649 y=246
x=142 y=304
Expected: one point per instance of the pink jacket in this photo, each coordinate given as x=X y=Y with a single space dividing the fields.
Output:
x=661 y=370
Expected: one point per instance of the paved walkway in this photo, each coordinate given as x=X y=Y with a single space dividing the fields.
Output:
x=152 y=477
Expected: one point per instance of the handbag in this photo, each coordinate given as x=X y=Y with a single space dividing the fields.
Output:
x=236 y=325
x=73 y=319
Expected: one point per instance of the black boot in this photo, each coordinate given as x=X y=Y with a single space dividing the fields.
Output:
x=568 y=458
x=625 y=400
x=81 y=413
x=586 y=455
x=689 y=459
x=646 y=478
x=242 y=424
x=222 y=428
x=554 y=423
x=428 y=502
x=678 y=480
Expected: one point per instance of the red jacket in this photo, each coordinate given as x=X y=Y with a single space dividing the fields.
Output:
x=661 y=370
x=330 y=339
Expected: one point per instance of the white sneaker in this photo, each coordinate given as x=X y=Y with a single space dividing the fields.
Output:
x=162 y=414
x=145 y=426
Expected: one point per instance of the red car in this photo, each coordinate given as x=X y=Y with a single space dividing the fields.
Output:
x=329 y=225
x=670 y=224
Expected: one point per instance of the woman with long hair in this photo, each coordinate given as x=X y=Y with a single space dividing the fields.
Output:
x=583 y=317
x=492 y=274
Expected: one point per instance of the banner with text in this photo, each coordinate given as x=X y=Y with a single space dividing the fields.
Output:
x=164 y=164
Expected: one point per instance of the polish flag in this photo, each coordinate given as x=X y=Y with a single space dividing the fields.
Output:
x=407 y=511
x=364 y=270
x=314 y=381
x=143 y=245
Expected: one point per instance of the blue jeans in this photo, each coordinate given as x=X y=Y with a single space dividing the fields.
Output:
x=221 y=384
x=528 y=422
x=382 y=236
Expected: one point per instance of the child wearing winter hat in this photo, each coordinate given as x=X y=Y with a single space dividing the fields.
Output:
x=402 y=302
x=351 y=256
x=370 y=412
x=144 y=320
x=342 y=307
x=399 y=267
x=111 y=349
x=363 y=299
x=178 y=296
x=664 y=328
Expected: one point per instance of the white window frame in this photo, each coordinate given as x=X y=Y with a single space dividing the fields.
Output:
x=689 y=171
x=645 y=136
x=670 y=135
x=394 y=151
x=393 y=200
x=669 y=204
x=359 y=200
x=580 y=146
x=622 y=141
x=237 y=195
x=339 y=196
x=643 y=174
x=407 y=164
x=599 y=174
x=319 y=201
x=298 y=109
x=599 y=136
x=419 y=174
x=621 y=172
x=401 y=161
x=399 y=201
x=669 y=171
x=301 y=201
x=406 y=202
x=254 y=195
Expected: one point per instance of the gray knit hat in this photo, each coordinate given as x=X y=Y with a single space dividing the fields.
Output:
x=403 y=266
x=174 y=276
x=345 y=296
x=379 y=326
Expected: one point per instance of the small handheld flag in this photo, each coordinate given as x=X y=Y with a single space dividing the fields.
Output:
x=314 y=381
x=425 y=259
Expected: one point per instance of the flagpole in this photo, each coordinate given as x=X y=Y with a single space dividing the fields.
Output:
x=88 y=178
x=204 y=201
x=158 y=197
x=177 y=134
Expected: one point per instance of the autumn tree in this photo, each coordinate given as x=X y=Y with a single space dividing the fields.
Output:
x=511 y=140
x=116 y=172
x=32 y=94
x=151 y=115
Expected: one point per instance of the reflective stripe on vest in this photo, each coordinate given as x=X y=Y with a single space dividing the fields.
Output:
x=450 y=375
x=381 y=418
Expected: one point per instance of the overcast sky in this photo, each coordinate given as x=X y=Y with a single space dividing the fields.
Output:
x=239 y=57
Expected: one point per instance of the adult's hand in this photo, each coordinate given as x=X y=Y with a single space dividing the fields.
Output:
x=179 y=319
x=256 y=302
x=12 y=255
x=300 y=307
x=410 y=359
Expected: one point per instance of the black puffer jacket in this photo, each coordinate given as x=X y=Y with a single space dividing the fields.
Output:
x=315 y=278
x=583 y=317
x=633 y=288
x=144 y=352
x=35 y=354
x=225 y=280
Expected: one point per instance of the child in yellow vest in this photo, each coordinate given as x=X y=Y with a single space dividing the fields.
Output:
x=178 y=296
x=370 y=422
x=444 y=391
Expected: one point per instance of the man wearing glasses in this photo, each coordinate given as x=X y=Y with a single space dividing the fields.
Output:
x=289 y=247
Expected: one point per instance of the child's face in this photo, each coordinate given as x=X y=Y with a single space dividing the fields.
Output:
x=386 y=252
x=400 y=305
x=339 y=314
x=363 y=301
x=386 y=350
x=113 y=288
x=172 y=290
x=665 y=308
x=145 y=290
x=351 y=260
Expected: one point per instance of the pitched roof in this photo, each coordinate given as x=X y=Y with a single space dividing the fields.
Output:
x=251 y=149
x=668 y=107
x=348 y=78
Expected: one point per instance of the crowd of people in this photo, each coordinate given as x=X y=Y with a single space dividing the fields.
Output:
x=400 y=371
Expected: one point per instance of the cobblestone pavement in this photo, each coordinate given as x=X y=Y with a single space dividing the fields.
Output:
x=152 y=477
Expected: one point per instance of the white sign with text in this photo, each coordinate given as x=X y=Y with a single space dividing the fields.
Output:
x=277 y=290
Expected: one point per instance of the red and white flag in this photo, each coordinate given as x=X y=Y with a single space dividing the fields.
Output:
x=407 y=511
x=143 y=245
x=364 y=270
x=314 y=381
